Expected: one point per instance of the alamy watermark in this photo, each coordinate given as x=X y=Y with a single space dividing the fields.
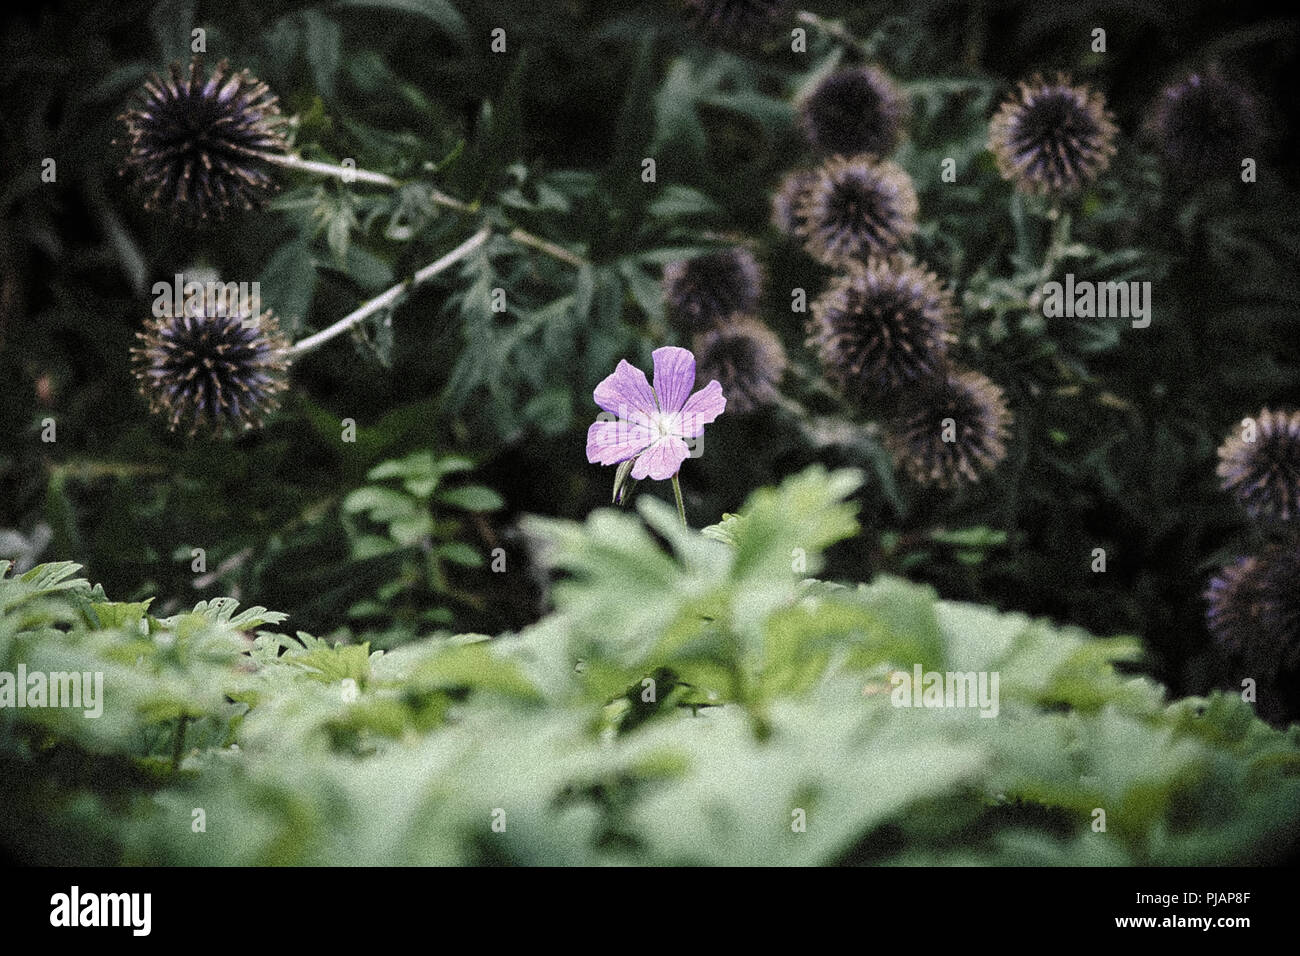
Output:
x=1098 y=300
x=77 y=690
x=950 y=689
x=210 y=297
x=74 y=908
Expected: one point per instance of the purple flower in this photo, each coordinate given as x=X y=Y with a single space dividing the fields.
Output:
x=651 y=425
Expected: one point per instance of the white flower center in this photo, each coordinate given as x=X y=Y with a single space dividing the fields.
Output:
x=666 y=425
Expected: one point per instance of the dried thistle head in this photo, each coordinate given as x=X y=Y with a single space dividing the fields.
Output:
x=212 y=369
x=854 y=110
x=856 y=208
x=952 y=433
x=1204 y=124
x=1052 y=138
x=882 y=327
x=1264 y=474
x=747 y=358
x=197 y=146
x=705 y=292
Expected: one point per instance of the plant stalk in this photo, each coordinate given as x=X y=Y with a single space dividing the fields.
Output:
x=436 y=196
x=178 y=742
x=345 y=173
x=390 y=296
x=681 y=505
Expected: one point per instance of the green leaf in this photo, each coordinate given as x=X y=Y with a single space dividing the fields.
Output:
x=289 y=281
x=471 y=498
x=439 y=12
x=382 y=504
x=324 y=49
x=457 y=552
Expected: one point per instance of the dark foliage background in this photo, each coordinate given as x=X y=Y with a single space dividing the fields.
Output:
x=1116 y=427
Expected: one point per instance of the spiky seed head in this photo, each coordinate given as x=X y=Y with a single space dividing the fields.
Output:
x=1279 y=570
x=1204 y=124
x=1264 y=474
x=736 y=21
x=196 y=145
x=1253 y=607
x=789 y=198
x=883 y=327
x=213 y=369
x=953 y=433
x=1233 y=605
x=747 y=358
x=856 y=208
x=1052 y=138
x=705 y=292
x=855 y=110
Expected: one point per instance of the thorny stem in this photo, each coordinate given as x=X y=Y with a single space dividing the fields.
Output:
x=681 y=506
x=436 y=196
x=387 y=298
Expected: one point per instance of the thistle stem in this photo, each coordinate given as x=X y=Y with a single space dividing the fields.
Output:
x=389 y=297
x=345 y=173
x=681 y=506
x=436 y=196
x=1060 y=238
x=526 y=238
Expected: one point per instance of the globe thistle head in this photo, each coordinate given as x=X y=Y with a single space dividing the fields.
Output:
x=1052 y=138
x=197 y=145
x=747 y=358
x=1232 y=604
x=737 y=21
x=703 y=293
x=953 y=433
x=856 y=208
x=212 y=369
x=1253 y=607
x=788 y=200
x=1204 y=124
x=882 y=327
x=855 y=110
x=1264 y=473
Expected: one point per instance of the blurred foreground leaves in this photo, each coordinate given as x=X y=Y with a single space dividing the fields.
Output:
x=689 y=700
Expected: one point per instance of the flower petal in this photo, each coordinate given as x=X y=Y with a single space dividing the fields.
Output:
x=700 y=409
x=662 y=459
x=610 y=442
x=626 y=393
x=674 y=376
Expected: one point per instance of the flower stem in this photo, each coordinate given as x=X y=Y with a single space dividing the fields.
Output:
x=178 y=741
x=526 y=238
x=1060 y=239
x=345 y=173
x=681 y=506
x=436 y=196
x=387 y=298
